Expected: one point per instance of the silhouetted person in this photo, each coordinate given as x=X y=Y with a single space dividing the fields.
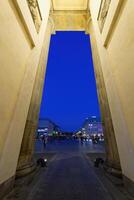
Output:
x=44 y=140
x=81 y=138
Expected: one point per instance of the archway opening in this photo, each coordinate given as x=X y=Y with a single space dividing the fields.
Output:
x=70 y=107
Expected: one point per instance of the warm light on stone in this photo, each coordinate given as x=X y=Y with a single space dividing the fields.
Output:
x=26 y=27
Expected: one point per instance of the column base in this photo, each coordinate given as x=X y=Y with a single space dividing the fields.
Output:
x=113 y=169
x=6 y=187
x=25 y=170
x=129 y=185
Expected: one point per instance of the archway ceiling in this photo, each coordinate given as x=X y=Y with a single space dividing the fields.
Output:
x=70 y=4
x=70 y=15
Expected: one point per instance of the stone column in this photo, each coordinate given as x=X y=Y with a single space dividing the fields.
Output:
x=112 y=156
x=26 y=162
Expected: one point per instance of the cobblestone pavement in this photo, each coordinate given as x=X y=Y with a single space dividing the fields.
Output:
x=69 y=176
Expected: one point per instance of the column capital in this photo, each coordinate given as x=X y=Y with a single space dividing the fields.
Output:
x=52 y=24
x=87 y=31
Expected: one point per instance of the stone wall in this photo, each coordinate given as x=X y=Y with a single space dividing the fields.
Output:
x=20 y=51
x=116 y=51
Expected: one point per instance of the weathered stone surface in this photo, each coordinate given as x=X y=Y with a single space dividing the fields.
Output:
x=112 y=155
x=26 y=162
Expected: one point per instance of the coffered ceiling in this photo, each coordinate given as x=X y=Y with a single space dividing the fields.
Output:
x=70 y=4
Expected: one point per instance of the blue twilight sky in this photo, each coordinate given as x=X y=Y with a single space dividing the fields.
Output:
x=70 y=93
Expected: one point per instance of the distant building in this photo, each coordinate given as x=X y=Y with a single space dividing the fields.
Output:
x=47 y=127
x=92 y=125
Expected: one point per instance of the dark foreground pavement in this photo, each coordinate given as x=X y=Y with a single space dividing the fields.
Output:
x=69 y=175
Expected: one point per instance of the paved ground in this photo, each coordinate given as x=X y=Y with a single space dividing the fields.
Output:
x=69 y=175
x=69 y=145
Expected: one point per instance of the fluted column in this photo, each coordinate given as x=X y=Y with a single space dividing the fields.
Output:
x=112 y=155
x=26 y=162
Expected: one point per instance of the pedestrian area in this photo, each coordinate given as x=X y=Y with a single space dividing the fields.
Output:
x=70 y=175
